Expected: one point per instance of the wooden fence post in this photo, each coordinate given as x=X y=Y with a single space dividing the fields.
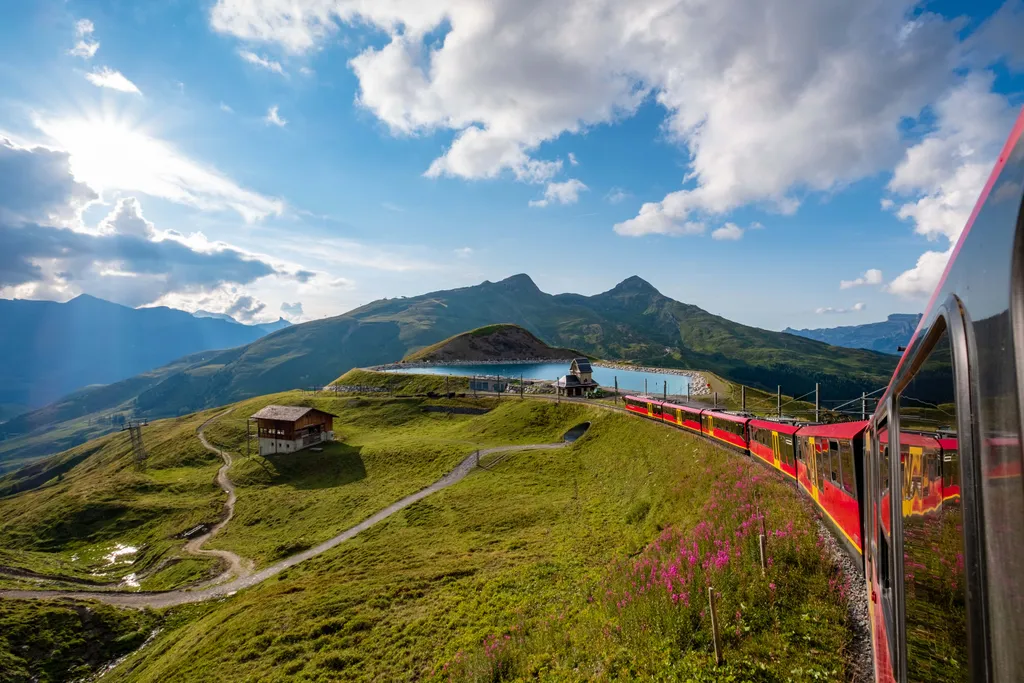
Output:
x=714 y=625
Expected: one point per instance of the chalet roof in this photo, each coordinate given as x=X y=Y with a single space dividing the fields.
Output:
x=582 y=365
x=568 y=381
x=286 y=413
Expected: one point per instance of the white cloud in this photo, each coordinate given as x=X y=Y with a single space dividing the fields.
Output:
x=262 y=62
x=616 y=195
x=292 y=310
x=127 y=219
x=226 y=109
x=872 y=276
x=946 y=172
x=572 y=159
x=85 y=47
x=561 y=193
x=350 y=253
x=306 y=71
x=818 y=88
x=729 y=231
x=274 y=118
x=110 y=155
x=464 y=252
x=392 y=207
x=105 y=77
x=922 y=279
x=653 y=222
x=887 y=204
x=829 y=310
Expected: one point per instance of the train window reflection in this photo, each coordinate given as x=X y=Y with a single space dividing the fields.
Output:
x=933 y=543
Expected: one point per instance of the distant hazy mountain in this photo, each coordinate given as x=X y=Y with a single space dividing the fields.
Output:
x=49 y=349
x=267 y=328
x=885 y=336
x=631 y=321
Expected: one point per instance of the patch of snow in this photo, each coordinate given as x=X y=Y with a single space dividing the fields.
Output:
x=130 y=581
x=119 y=550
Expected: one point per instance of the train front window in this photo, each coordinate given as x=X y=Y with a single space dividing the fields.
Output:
x=934 y=604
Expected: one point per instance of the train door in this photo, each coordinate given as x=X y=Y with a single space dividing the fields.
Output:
x=812 y=466
x=650 y=409
x=776 y=451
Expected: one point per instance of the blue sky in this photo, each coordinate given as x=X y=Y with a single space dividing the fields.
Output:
x=749 y=158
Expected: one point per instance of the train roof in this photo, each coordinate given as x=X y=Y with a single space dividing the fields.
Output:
x=780 y=427
x=911 y=439
x=840 y=430
x=689 y=409
x=727 y=416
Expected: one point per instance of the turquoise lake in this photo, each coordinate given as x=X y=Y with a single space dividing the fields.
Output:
x=630 y=380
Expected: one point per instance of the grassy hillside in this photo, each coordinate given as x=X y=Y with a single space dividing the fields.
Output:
x=490 y=343
x=51 y=642
x=507 y=575
x=385 y=450
x=632 y=321
x=64 y=516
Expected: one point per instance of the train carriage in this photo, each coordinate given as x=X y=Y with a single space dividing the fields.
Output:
x=830 y=469
x=774 y=443
x=682 y=416
x=725 y=427
x=945 y=562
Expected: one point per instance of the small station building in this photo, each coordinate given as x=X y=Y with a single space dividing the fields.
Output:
x=286 y=429
x=579 y=381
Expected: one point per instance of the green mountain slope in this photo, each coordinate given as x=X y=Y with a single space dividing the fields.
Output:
x=632 y=321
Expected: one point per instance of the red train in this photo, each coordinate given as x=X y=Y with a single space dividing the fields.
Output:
x=825 y=461
x=929 y=492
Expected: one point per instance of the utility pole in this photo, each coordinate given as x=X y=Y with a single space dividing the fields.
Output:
x=716 y=399
x=645 y=386
x=863 y=406
x=446 y=391
x=664 y=391
x=134 y=428
x=778 y=401
x=687 y=391
x=522 y=387
x=616 y=390
x=743 y=398
x=817 y=403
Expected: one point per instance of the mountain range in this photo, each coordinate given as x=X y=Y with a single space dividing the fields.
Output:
x=632 y=321
x=886 y=336
x=50 y=349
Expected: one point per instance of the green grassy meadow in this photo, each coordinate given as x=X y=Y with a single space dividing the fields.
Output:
x=525 y=550
x=517 y=572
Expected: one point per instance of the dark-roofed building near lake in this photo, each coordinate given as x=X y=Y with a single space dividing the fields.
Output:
x=579 y=381
x=286 y=429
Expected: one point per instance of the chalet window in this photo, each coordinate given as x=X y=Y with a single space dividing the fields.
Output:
x=934 y=601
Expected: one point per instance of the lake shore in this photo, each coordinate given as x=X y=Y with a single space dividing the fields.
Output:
x=697 y=380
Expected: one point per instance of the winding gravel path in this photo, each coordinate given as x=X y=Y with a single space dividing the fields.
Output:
x=237 y=567
x=180 y=597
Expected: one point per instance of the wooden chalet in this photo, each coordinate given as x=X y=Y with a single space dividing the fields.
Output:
x=286 y=429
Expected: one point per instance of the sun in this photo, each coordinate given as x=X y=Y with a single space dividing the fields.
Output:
x=108 y=152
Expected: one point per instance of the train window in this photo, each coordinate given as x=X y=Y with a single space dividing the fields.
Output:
x=934 y=605
x=787 y=447
x=833 y=454
x=849 y=478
